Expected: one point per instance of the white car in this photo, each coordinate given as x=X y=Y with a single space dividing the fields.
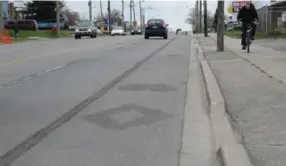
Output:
x=117 y=31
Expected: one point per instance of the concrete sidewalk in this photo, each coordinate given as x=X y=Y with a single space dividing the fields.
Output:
x=254 y=99
x=268 y=60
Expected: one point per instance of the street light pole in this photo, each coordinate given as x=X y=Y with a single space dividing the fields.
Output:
x=1 y=18
x=130 y=13
x=90 y=10
x=58 y=17
x=140 y=11
x=101 y=12
x=123 y=21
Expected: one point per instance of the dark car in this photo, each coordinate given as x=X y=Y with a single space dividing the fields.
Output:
x=156 y=28
x=21 y=24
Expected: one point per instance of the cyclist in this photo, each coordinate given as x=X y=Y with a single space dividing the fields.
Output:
x=247 y=15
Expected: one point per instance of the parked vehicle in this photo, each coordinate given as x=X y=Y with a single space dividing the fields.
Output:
x=157 y=28
x=48 y=24
x=117 y=31
x=21 y=24
x=85 y=28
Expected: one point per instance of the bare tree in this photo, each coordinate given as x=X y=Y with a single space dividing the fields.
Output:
x=191 y=17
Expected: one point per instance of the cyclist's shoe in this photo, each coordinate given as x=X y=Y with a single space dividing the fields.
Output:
x=244 y=47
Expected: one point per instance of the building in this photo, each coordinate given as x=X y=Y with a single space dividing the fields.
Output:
x=4 y=9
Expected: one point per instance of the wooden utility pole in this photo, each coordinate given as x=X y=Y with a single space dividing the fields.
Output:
x=109 y=17
x=58 y=17
x=205 y=18
x=134 y=14
x=197 y=16
x=201 y=18
x=220 y=25
x=11 y=11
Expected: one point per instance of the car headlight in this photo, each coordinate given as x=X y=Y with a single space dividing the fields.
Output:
x=89 y=30
x=76 y=30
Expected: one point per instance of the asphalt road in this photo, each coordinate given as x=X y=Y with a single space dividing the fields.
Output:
x=104 y=101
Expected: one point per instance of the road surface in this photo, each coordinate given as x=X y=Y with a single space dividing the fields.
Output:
x=105 y=101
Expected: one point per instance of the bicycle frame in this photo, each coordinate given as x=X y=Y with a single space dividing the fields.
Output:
x=248 y=36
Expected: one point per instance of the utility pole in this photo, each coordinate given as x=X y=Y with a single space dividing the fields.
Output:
x=220 y=26
x=130 y=14
x=101 y=12
x=11 y=11
x=58 y=17
x=197 y=16
x=123 y=21
x=205 y=18
x=109 y=17
x=1 y=18
x=134 y=14
x=201 y=19
x=90 y=10
x=140 y=11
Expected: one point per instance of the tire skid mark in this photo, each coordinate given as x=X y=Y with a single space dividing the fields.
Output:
x=31 y=76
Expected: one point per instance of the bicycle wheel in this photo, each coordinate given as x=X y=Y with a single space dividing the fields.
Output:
x=248 y=42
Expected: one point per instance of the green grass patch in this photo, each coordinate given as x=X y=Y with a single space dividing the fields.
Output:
x=237 y=34
x=27 y=35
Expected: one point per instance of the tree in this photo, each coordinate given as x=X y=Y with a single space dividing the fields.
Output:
x=191 y=17
x=114 y=14
x=43 y=10
x=71 y=16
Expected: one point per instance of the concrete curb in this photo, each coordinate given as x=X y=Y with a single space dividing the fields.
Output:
x=229 y=152
x=197 y=143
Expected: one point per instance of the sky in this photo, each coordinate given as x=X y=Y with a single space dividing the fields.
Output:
x=174 y=12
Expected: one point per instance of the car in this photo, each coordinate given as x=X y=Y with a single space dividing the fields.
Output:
x=85 y=28
x=136 y=31
x=156 y=28
x=117 y=31
x=21 y=25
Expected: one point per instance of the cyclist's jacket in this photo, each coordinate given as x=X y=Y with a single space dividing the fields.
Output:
x=247 y=15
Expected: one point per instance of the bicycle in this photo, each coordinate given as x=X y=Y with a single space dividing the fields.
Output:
x=248 y=36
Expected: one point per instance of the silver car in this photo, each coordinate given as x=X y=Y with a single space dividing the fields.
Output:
x=85 y=28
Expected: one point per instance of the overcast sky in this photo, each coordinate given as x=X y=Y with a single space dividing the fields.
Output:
x=174 y=12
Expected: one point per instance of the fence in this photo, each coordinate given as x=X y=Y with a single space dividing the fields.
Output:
x=270 y=19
